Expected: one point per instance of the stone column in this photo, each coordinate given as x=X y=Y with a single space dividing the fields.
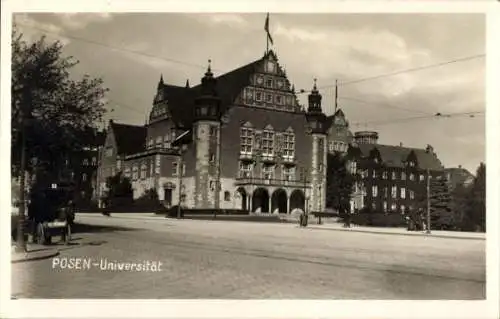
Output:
x=287 y=204
x=270 y=204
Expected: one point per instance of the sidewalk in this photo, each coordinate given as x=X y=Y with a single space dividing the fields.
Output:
x=401 y=231
x=35 y=252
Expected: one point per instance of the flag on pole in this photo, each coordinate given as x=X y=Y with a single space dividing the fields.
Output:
x=266 y=27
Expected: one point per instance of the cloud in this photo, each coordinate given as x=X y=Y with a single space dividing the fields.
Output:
x=77 y=21
x=33 y=29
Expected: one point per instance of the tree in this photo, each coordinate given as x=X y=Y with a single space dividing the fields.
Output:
x=475 y=212
x=339 y=184
x=53 y=112
x=119 y=191
x=440 y=202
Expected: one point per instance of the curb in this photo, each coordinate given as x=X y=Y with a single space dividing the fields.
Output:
x=398 y=234
x=49 y=254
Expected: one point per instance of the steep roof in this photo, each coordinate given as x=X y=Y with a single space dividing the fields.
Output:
x=229 y=86
x=458 y=176
x=395 y=156
x=130 y=139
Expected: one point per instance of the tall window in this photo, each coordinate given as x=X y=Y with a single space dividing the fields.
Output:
x=85 y=162
x=289 y=173
x=144 y=170
x=175 y=169
x=151 y=167
x=402 y=208
x=374 y=191
x=412 y=194
x=393 y=207
x=127 y=172
x=412 y=177
x=118 y=165
x=393 y=175
x=245 y=170
x=246 y=141
x=403 y=193
x=268 y=172
x=353 y=167
x=84 y=177
x=159 y=141
x=384 y=175
x=386 y=191
x=167 y=141
x=374 y=174
x=268 y=143
x=394 y=192
x=385 y=206
x=288 y=145
x=94 y=161
x=157 y=164
x=422 y=177
x=173 y=134
x=135 y=172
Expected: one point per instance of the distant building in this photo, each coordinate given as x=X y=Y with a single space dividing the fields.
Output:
x=458 y=176
x=393 y=178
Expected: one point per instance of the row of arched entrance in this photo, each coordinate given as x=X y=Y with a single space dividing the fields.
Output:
x=261 y=201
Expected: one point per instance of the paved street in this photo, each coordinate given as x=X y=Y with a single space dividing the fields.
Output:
x=238 y=260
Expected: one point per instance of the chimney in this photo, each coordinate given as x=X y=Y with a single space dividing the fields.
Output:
x=429 y=149
x=459 y=166
x=400 y=144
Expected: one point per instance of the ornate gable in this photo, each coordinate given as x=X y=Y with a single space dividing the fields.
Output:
x=269 y=87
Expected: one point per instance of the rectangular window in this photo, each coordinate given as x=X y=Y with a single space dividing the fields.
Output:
x=157 y=164
x=144 y=170
x=212 y=158
x=118 y=165
x=245 y=170
x=85 y=162
x=279 y=100
x=386 y=191
x=422 y=177
x=403 y=193
x=269 y=98
x=374 y=191
x=159 y=141
x=167 y=142
x=402 y=207
x=246 y=140
x=289 y=173
x=267 y=143
x=374 y=174
x=393 y=175
x=353 y=167
x=173 y=134
x=269 y=83
x=135 y=173
x=268 y=171
x=213 y=131
x=227 y=196
x=394 y=191
x=412 y=177
x=393 y=207
x=175 y=168
x=288 y=145
x=412 y=194
x=384 y=175
x=84 y=177
x=385 y=206
x=403 y=176
x=258 y=96
x=94 y=161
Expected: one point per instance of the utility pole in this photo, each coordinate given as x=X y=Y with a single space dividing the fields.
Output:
x=428 y=231
x=336 y=96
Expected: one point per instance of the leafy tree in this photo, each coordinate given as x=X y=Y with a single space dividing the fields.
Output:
x=475 y=213
x=339 y=184
x=54 y=112
x=119 y=191
x=440 y=202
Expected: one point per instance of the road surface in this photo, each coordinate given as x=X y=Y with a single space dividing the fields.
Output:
x=242 y=260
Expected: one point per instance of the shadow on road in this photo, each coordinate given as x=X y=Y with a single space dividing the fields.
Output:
x=86 y=228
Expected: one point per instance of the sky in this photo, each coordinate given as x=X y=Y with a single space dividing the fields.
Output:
x=131 y=51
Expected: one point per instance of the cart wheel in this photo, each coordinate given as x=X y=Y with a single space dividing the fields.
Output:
x=67 y=236
x=40 y=234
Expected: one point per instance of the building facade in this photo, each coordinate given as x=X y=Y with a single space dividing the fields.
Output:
x=393 y=178
x=237 y=141
x=458 y=176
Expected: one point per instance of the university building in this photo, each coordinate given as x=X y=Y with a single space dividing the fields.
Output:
x=236 y=141
x=393 y=178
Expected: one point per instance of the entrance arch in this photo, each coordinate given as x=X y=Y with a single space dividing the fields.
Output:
x=297 y=200
x=243 y=198
x=260 y=201
x=279 y=202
